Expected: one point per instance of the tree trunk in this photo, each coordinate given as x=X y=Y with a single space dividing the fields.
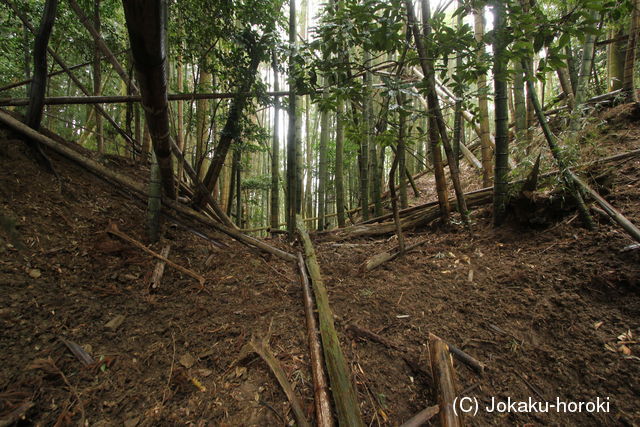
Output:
x=99 y=41
x=97 y=77
x=615 y=61
x=67 y=70
x=322 y=178
x=628 y=85
x=232 y=127
x=154 y=203
x=559 y=157
x=483 y=103
x=432 y=98
x=275 y=151
x=339 y=179
x=38 y=86
x=292 y=139
x=202 y=119
x=520 y=105
x=583 y=77
x=145 y=24
x=501 y=182
x=401 y=158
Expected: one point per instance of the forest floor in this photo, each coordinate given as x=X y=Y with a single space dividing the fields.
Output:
x=554 y=312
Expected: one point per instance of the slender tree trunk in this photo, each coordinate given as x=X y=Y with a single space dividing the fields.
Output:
x=322 y=178
x=426 y=63
x=38 y=86
x=154 y=203
x=275 y=150
x=520 y=105
x=232 y=127
x=292 y=139
x=628 y=85
x=97 y=77
x=26 y=48
x=501 y=182
x=583 y=77
x=559 y=157
x=180 y=125
x=615 y=61
x=99 y=41
x=309 y=210
x=483 y=103
x=202 y=119
x=401 y=155
x=565 y=83
x=145 y=24
x=66 y=69
x=340 y=199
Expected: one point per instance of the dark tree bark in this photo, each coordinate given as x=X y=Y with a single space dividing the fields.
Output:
x=292 y=139
x=501 y=182
x=147 y=35
x=38 y=86
x=628 y=86
x=232 y=126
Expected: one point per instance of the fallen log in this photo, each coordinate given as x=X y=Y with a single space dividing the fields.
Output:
x=422 y=417
x=615 y=214
x=136 y=188
x=445 y=382
x=261 y=348
x=113 y=229
x=320 y=386
x=158 y=271
x=379 y=259
x=411 y=216
x=344 y=395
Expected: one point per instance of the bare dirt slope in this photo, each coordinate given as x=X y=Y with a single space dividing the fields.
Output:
x=545 y=309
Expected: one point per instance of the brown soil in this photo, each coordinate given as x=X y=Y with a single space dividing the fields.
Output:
x=542 y=308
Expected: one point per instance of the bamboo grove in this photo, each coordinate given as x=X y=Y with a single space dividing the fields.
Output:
x=258 y=111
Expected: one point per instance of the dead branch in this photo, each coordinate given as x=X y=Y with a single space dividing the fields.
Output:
x=320 y=385
x=113 y=229
x=261 y=348
x=422 y=417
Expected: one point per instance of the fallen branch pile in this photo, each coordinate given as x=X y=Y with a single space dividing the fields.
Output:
x=422 y=215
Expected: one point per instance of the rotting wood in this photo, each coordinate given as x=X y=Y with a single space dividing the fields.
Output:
x=444 y=380
x=422 y=417
x=79 y=352
x=320 y=386
x=261 y=348
x=158 y=271
x=113 y=229
x=137 y=189
x=342 y=389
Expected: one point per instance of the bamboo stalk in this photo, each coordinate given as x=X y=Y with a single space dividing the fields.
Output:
x=320 y=385
x=344 y=395
x=422 y=417
x=444 y=380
